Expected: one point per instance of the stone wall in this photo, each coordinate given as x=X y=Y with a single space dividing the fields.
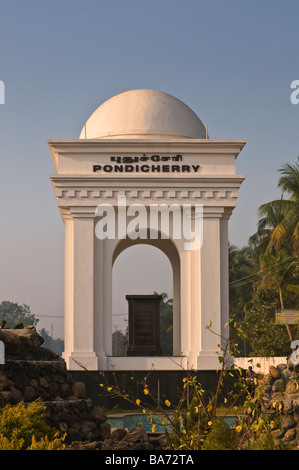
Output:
x=281 y=387
x=68 y=409
x=31 y=372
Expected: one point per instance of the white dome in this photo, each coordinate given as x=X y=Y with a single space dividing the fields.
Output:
x=143 y=114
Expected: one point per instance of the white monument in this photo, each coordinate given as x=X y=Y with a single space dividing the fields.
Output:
x=145 y=147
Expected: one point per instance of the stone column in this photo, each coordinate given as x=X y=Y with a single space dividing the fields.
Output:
x=210 y=289
x=79 y=291
x=224 y=275
x=186 y=306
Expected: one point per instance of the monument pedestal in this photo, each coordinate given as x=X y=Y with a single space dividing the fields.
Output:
x=144 y=325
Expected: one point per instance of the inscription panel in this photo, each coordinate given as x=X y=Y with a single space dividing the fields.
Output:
x=144 y=325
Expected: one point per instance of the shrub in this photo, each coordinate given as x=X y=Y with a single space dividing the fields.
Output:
x=24 y=428
x=267 y=442
x=221 y=437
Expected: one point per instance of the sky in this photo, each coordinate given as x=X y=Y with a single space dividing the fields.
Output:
x=232 y=62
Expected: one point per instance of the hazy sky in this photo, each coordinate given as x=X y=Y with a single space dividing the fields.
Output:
x=231 y=61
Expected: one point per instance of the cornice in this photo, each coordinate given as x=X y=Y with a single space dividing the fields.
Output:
x=139 y=145
x=94 y=179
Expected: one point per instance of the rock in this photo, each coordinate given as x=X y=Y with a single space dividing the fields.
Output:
x=43 y=382
x=4 y=382
x=281 y=387
x=6 y=397
x=33 y=383
x=95 y=445
x=292 y=387
x=145 y=446
x=21 y=338
x=278 y=433
x=135 y=439
x=88 y=430
x=62 y=427
x=32 y=372
x=16 y=395
x=73 y=434
x=290 y=435
x=87 y=445
x=65 y=390
x=104 y=431
x=118 y=434
x=296 y=405
x=99 y=416
x=267 y=380
x=29 y=394
x=274 y=372
x=287 y=406
x=287 y=422
x=158 y=442
x=25 y=344
x=288 y=376
x=53 y=389
x=138 y=434
x=278 y=385
x=79 y=389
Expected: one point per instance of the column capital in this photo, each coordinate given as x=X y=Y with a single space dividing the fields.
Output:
x=216 y=212
x=77 y=212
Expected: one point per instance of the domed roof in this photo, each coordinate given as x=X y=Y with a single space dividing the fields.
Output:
x=143 y=114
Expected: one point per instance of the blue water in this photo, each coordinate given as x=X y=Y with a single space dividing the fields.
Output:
x=133 y=420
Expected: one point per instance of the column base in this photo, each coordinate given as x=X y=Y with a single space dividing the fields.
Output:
x=90 y=361
x=81 y=360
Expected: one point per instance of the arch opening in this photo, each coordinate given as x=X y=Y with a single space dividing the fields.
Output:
x=145 y=267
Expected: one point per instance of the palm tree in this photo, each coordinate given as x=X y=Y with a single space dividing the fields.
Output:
x=271 y=231
x=281 y=272
x=289 y=182
x=281 y=216
x=241 y=274
x=275 y=245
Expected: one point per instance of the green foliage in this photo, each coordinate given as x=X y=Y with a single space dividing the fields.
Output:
x=190 y=424
x=119 y=343
x=194 y=422
x=267 y=442
x=14 y=314
x=166 y=325
x=56 y=345
x=264 y=277
x=266 y=337
x=221 y=437
x=24 y=428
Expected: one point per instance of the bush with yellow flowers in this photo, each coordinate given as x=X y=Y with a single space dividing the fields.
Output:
x=24 y=428
x=195 y=424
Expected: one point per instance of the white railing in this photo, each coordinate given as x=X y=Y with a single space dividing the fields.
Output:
x=263 y=362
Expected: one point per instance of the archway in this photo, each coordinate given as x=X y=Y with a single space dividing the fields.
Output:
x=162 y=259
x=141 y=269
